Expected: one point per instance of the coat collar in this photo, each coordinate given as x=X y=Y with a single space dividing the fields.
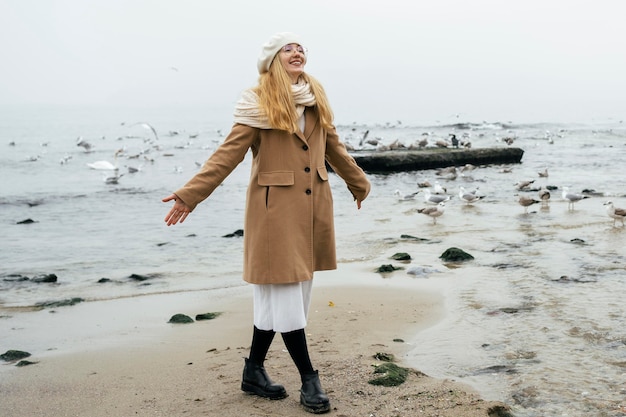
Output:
x=310 y=122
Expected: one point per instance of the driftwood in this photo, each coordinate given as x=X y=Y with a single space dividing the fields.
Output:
x=416 y=160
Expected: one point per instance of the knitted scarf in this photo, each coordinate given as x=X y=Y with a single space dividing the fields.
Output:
x=248 y=112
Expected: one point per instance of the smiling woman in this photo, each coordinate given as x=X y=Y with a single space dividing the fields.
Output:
x=289 y=226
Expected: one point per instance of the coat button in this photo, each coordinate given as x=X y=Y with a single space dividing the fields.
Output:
x=307 y=169
x=305 y=147
x=308 y=191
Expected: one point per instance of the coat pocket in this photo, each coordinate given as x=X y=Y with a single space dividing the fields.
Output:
x=276 y=178
x=323 y=173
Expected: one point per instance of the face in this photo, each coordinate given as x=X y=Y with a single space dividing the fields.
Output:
x=293 y=58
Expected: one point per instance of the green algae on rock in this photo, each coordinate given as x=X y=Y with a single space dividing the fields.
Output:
x=393 y=375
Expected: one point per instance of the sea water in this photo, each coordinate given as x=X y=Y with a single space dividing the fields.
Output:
x=536 y=320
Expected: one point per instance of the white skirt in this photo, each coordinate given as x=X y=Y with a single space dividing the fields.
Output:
x=282 y=307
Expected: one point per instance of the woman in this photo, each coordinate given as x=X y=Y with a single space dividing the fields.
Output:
x=288 y=230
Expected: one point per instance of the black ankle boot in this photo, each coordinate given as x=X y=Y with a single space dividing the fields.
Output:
x=256 y=381
x=312 y=396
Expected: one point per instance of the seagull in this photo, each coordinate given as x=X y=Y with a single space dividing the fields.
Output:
x=544 y=195
x=113 y=179
x=434 y=198
x=102 y=165
x=523 y=184
x=615 y=213
x=469 y=197
x=527 y=202
x=468 y=167
x=82 y=143
x=405 y=197
x=147 y=126
x=572 y=198
x=544 y=173
x=433 y=212
x=450 y=172
x=438 y=189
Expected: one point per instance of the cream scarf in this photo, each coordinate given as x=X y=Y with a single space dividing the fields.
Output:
x=248 y=112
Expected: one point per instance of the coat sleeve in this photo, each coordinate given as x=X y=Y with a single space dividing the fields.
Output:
x=346 y=167
x=219 y=165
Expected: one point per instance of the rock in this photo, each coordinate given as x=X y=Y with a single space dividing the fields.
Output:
x=385 y=357
x=138 y=277
x=393 y=375
x=61 y=303
x=236 y=233
x=401 y=256
x=15 y=278
x=180 y=319
x=495 y=369
x=104 y=280
x=206 y=316
x=45 y=278
x=25 y=363
x=455 y=255
x=14 y=355
x=409 y=237
x=416 y=160
x=421 y=271
x=500 y=411
x=26 y=221
x=387 y=268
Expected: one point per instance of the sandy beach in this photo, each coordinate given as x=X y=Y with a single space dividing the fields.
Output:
x=121 y=357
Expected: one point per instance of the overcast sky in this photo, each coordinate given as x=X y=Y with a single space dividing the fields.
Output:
x=414 y=61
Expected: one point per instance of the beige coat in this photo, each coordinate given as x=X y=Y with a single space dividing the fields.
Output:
x=289 y=226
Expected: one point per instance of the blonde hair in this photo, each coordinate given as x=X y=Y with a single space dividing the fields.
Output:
x=276 y=100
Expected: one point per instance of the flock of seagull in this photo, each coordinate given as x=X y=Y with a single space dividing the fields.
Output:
x=436 y=199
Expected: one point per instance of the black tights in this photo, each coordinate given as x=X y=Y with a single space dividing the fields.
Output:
x=295 y=342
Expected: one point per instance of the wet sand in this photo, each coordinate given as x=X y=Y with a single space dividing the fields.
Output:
x=121 y=357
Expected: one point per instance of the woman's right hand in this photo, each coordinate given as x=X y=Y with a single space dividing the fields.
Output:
x=179 y=211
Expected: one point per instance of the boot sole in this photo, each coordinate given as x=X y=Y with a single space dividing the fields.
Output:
x=316 y=408
x=254 y=390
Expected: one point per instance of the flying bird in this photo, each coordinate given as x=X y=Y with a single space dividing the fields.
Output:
x=83 y=144
x=147 y=126
x=615 y=213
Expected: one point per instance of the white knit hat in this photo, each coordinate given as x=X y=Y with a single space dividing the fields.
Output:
x=271 y=48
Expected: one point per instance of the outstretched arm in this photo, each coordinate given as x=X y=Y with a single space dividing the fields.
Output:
x=178 y=212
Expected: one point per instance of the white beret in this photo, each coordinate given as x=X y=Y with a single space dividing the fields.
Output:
x=271 y=48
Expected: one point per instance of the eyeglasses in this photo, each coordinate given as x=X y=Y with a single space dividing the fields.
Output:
x=289 y=48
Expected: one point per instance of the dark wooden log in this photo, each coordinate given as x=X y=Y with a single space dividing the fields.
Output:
x=416 y=160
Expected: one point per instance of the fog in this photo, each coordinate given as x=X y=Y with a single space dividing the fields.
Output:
x=380 y=61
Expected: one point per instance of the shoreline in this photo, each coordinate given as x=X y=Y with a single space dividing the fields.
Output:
x=121 y=357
